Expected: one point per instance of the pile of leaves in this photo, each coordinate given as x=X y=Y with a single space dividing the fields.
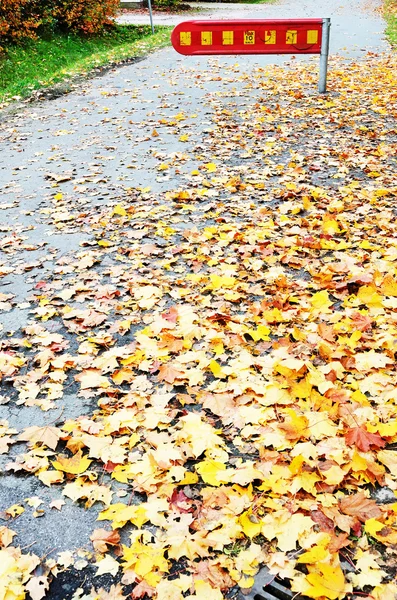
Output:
x=237 y=339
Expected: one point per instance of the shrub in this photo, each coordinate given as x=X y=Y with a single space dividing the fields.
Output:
x=86 y=16
x=165 y=4
x=22 y=19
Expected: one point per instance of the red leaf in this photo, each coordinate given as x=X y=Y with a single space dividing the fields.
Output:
x=363 y=439
x=171 y=314
x=324 y=523
x=109 y=466
x=180 y=501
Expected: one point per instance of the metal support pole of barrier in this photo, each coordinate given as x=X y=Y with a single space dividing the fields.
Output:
x=322 y=84
x=151 y=15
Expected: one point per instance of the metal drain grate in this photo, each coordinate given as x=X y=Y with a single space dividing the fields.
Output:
x=267 y=588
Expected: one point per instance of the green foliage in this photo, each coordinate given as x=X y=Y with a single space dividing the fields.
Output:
x=165 y=4
x=391 y=18
x=42 y=63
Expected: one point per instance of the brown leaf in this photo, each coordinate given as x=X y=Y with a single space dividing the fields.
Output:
x=326 y=332
x=357 y=505
x=6 y=536
x=211 y=571
x=363 y=439
x=5 y=442
x=168 y=373
x=37 y=587
x=143 y=589
x=338 y=542
x=325 y=523
x=101 y=538
x=47 y=435
x=115 y=593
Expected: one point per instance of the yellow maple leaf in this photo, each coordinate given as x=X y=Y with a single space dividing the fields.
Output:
x=189 y=478
x=146 y=560
x=197 y=434
x=387 y=591
x=75 y=465
x=211 y=167
x=15 y=570
x=119 y=210
x=286 y=528
x=211 y=472
x=389 y=286
x=320 y=301
x=314 y=555
x=107 y=565
x=217 y=370
x=92 y=378
x=368 y=571
x=204 y=591
x=250 y=524
x=326 y=581
x=260 y=333
x=368 y=295
x=221 y=282
x=15 y=510
x=119 y=514
x=90 y=490
x=330 y=226
x=50 y=477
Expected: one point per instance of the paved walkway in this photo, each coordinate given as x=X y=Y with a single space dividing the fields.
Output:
x=64 y=161
x=357 y=26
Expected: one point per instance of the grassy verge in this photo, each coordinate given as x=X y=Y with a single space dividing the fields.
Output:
x=390 y=11
x=218 y=3
x=256 y=1
x=45 y=62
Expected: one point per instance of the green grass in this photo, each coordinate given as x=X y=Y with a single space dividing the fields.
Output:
x=256 y=1
x=390 y=11
x=44 y=62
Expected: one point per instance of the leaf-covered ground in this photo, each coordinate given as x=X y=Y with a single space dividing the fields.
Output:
x=235 y=337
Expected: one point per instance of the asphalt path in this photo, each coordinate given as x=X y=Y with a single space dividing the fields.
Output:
x=92 y=145
x=357 y=25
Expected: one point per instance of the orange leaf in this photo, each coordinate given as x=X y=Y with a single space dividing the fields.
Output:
x=363 y=439
x=75 y=465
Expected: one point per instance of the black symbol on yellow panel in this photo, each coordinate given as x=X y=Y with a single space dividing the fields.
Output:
x=249 y=37
x=270 y=37
x=206 y=38
x=291 y=37
x=185 y=38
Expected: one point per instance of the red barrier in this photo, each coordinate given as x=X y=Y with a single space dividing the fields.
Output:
x=295 y=36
